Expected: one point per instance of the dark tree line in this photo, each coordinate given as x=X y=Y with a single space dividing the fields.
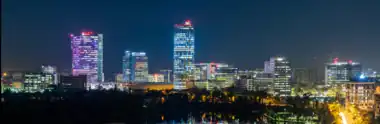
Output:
x=100 y=106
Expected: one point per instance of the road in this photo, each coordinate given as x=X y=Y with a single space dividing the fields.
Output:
x=344 y=119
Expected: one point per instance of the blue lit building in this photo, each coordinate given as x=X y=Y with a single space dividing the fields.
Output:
x=135 y=67
x=87 y=56
x=183 y=53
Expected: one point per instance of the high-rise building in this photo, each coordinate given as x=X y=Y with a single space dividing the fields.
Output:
x=338 y=72
x=280 y=68
x=304 y=76
x=87 y=56
x=183 y=53
x=268 y=67
x=135 y=67
x=167 y=75
x=51 y=70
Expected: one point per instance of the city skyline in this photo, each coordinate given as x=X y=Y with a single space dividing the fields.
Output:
x=230 y=38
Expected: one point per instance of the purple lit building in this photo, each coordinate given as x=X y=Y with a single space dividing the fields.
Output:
x=87 y=59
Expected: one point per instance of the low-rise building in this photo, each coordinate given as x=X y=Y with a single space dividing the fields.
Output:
x=34 y=82
x=73 y=82
x=377 y=100
x=360 y=94
x=156 y=78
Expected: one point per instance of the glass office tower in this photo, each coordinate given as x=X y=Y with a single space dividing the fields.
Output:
x=183 y=53
x=280 y=67
x=338 y=72
x=135 y=67
x=87 y=56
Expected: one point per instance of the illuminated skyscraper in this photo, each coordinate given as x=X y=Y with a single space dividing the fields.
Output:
x=280 y=68
x=337 y=72
x=87 y=56
x=183 y=52
x=135 y=67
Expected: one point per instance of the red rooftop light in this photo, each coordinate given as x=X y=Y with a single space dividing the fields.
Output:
x=350 y=61
x=86 y=33
x=336 y=60
x=187 y=22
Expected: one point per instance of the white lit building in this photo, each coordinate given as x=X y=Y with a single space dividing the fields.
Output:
x=36 y=82
x=51 y=70
x=281 y=70
x=183 y=53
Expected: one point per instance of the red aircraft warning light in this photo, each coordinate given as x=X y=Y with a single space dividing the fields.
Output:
x=336 y=60
x=349 y=61
x=188 y=22
x=86 y=33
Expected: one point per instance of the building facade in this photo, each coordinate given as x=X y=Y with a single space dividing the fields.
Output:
x=87 y=56
x=280 y=68
x=13 y=81
x=361 y=94
x=156 y=78
x=262 y=82
x=51 y=70
x=73 y=82
x=119 y=78
x=183 y=53
x=35 y=82
x=167 y=75
x=135 y=67
x=338 y=72
x=304 y=76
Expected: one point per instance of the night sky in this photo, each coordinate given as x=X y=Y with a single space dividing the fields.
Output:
x=244 y=33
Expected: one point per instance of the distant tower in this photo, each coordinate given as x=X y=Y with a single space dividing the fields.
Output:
x=183 y=52
x=135 y=67
x=280 y=68
x=87 y=56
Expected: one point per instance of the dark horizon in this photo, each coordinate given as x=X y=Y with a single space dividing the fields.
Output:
x=244 y=33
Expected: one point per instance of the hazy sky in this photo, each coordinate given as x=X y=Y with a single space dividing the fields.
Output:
x=244 y=33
